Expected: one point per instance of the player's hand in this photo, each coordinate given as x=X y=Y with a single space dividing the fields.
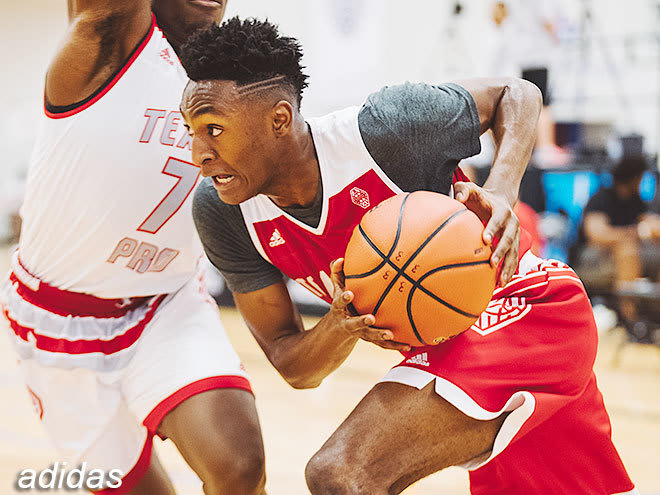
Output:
x=502 y=224
x=360 y=326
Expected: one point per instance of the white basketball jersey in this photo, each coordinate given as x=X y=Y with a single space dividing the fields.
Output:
x=108 y=204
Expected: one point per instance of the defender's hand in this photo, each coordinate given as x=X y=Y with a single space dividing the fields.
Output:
x=502 y=223
x=360 y=326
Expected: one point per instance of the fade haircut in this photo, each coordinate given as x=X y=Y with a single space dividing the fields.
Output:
x=249 y=52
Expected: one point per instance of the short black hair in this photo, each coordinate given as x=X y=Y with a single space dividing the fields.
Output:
x=245 y=51
x=629 y=167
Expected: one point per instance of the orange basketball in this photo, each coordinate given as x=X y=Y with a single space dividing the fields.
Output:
x=418 y=263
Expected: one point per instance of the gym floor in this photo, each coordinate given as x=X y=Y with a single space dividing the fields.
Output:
x=296 y=423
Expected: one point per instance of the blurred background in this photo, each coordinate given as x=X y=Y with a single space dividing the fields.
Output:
x=598 y=65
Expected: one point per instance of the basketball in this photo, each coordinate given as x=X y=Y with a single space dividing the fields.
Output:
x=418 y=263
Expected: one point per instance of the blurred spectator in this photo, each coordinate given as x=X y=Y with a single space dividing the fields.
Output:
x=620 y=232
x=525 y=41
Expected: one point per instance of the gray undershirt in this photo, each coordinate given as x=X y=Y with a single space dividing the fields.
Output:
x=416 y=133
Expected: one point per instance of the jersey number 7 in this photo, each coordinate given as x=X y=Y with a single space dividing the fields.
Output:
x=187 y=173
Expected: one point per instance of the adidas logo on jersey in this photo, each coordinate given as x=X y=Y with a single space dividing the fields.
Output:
x=420 y=359
x=165 y=55
x=276 y=239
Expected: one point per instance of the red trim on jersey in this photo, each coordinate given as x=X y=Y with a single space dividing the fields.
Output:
x=133 y=477
x=459 y=176
x=154 y=418
x=65 y=303
x=83 y=346
x=107 y=85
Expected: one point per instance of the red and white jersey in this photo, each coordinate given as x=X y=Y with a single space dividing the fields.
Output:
x=107 y=208
x=352 y=184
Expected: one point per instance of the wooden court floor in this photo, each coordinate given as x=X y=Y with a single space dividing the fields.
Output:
x=295 y=423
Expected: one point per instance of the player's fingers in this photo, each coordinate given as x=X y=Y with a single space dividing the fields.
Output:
x=462 y=191
x=341 y=299
x=466 y=191
x=496 y=225
x=362 y=326
x=509 y=265
x=382 y=337
x=475 y=199
x=501 y=218
x=358 y=324
x=507 y=250
x=337 y=276
x=392 y=345
x=507 y=227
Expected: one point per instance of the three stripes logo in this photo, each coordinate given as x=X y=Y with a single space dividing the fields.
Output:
x=419 y=359
x=165 y=55
x=276 y=239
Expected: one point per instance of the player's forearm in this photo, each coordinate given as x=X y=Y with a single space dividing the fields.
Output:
x=305 y=358
x=514 y=131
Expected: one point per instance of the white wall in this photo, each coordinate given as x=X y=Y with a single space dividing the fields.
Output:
x=29 y=32
x=353 y=47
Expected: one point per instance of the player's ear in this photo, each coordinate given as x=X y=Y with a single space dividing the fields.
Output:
x=282 y=115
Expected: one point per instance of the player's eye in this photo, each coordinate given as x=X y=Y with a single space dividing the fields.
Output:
x=214 y=131
x=187 y=127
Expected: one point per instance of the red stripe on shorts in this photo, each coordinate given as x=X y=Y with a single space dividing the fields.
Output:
x=82 y=346
x=65 y=303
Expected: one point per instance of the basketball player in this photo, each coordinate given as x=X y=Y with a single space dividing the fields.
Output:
x=513 y=398
x=117 y=337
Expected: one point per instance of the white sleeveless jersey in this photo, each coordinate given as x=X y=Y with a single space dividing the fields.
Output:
x=108 y=204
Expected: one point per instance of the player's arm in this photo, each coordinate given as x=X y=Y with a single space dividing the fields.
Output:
x=100 y=37
x=304 y=357
x=510 y=108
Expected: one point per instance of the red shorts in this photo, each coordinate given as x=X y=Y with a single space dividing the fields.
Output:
x=530 y=354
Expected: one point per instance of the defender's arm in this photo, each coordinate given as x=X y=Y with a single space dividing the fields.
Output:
x=100 y=37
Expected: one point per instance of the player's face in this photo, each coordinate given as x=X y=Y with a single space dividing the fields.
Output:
x=232 y=138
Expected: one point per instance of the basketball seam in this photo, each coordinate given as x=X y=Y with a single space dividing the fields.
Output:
x=418 y=285
x=415 y=283
x=412 y=257
x=396 y=241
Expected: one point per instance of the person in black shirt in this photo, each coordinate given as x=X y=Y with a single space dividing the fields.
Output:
x=618 y=224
